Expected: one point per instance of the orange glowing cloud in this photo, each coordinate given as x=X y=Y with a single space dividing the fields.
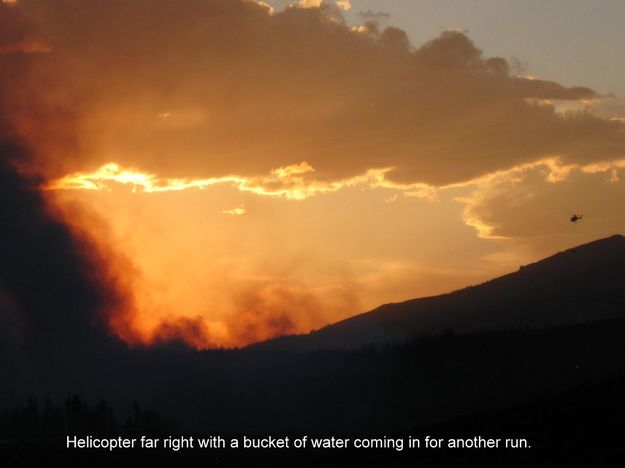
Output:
x=513 y=204
x=291 y=182
x=344 y=101
x=239 y=211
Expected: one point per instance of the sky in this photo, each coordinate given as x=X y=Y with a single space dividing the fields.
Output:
x=246 y=169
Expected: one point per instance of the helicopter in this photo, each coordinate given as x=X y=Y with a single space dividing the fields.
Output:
x=575 y=218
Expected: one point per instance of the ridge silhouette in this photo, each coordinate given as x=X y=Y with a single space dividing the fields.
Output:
x=576 y=285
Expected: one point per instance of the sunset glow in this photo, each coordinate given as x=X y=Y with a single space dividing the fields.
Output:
x=289 y=182
x=245 y=169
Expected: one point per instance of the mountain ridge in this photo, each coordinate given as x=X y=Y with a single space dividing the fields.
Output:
x=579 y=284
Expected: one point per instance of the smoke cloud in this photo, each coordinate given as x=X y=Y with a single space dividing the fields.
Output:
x=230 y=90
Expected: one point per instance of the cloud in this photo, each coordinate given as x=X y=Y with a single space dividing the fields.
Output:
x=310 y=3
x=531 y=205
x=274 y=90
x=344 y=4
x=541 y=89
x=238 y=211
x=266 y=5
x=294 y=182
x=373 y=21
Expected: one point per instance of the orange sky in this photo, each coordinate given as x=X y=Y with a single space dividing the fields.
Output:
x=249 y=173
